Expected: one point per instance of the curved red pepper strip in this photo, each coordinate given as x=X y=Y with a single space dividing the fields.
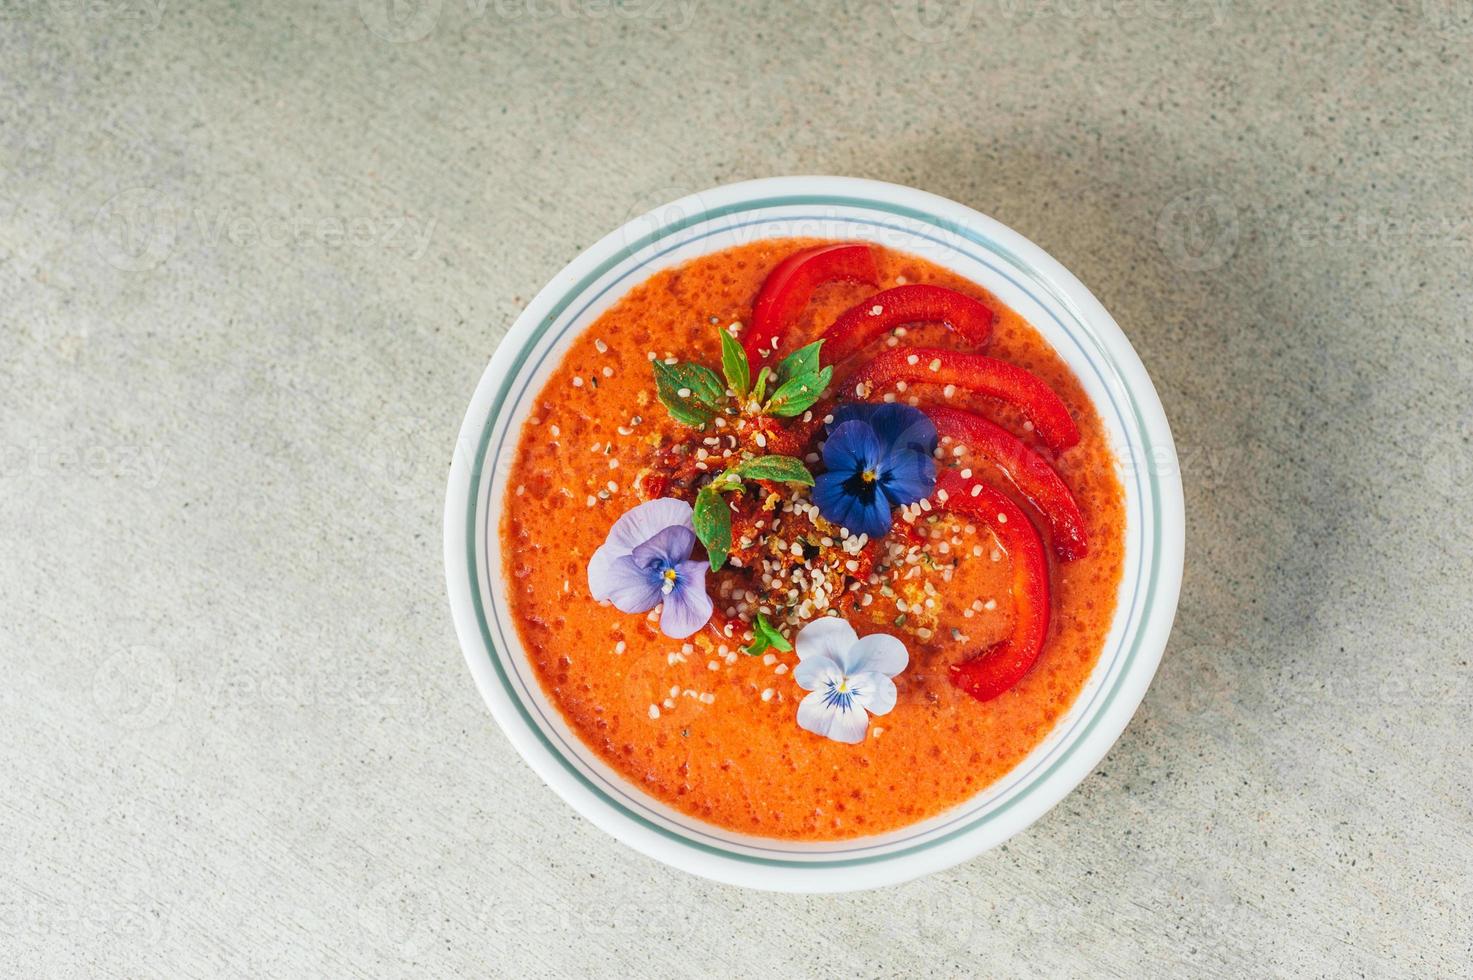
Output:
x=974 y=372
x=857 y=326
x=1030 y=473
x=788 y=288
x=992 y=671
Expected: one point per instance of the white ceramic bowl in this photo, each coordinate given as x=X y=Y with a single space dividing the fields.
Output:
x=956 y=237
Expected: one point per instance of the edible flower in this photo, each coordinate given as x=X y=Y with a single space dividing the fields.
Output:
x=645 y=562
x=878 y=457
x=849 y=677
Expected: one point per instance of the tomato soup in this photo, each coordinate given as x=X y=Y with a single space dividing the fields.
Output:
x=698 y=722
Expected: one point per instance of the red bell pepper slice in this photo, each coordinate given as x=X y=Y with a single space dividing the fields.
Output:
x=857 y=326
x=974 y=372
x=790 y=286
x=1030 y=473
x=994 y=670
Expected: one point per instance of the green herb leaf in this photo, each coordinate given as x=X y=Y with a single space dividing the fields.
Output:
x=691 y=392
x=778 y=469
x=734 y=365
x=712 y=521
x=802 y=362
x=725 y=481
x=798 y=394
x=759 y=387
x=764 y=636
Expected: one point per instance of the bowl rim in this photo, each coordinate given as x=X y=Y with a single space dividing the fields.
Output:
x=1101 y=728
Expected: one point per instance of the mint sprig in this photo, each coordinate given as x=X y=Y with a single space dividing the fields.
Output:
x=765 y=636
x=694 y=394
x=712 y=517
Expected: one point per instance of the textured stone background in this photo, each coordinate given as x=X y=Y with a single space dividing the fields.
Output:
x=253 y=259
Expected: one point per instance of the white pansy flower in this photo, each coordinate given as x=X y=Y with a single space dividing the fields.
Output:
x=849 y=677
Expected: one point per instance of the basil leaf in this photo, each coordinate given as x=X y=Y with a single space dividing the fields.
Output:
x=712 y=522
x=799 y=394
x=802 y=361
x=734 y=365
x=765 y=635
x=703 y=391
x=778 y=469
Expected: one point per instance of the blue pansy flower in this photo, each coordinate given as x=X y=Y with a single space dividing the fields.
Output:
x=850 y=678
x=645 y=562
x=878 y=457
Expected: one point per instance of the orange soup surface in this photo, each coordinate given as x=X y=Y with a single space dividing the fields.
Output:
x=699 y=724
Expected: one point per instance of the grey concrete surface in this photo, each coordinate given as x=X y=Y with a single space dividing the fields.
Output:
x=253 y=259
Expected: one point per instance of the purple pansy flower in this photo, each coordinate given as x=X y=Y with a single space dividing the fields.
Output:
x=645 y=562
x=850 y=678
x=878 y=457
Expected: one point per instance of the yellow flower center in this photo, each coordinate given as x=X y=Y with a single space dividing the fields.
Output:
x=868 y=476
